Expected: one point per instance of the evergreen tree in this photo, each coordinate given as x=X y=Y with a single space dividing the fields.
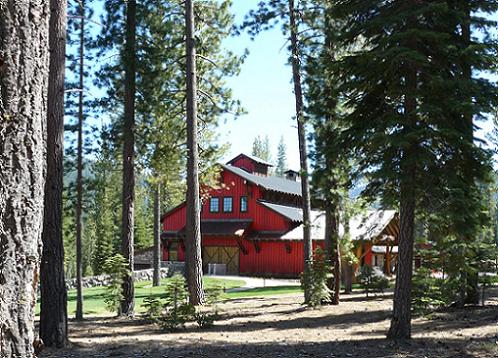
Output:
x=406 y=127
x=261 y=148
x=281 y=158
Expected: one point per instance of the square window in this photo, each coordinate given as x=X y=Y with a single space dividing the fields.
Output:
x=214 y=205
x=228 y=204
x=243 y=204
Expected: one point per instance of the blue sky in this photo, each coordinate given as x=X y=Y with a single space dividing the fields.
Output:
x=264 y=87
x=265 y=90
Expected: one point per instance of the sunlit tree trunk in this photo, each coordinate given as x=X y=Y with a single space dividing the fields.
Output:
x=79 y=169
x=301 y=128
x=24 y=68
x=193 y=228
x=128 y=199
x=157 y=236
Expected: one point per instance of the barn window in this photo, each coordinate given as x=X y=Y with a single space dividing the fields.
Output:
x=214 y=205
x=227 y=204
x=243 y=204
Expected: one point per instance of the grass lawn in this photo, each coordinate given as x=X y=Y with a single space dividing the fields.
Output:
x=93 y=298
x=94 y=305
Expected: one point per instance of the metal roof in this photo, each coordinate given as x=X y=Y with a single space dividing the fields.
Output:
x=253 y=158
x=290 y=212
x=268 y=182
x=365 y=226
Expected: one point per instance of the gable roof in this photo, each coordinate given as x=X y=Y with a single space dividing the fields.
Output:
x=267 y=182
x=361 y=227
x=253 y=158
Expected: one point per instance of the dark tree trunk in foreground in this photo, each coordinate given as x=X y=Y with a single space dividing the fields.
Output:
x=128 y=303
x=332 y=250
x=301 y=128
x=79 y=170
x=471 y=282
x=401 y=321
x=23 y=102
x=157 y=237
x=53 y=307
x=193 y=231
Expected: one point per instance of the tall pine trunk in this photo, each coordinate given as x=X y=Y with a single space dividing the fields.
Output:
x=53 y=307
x=128 y=199
x=79 y=169
x=24 y=68
x=301 y=128
x=471 y=282
x=332 y=250
x=193 y=226
x=157 y=236
x=401 y=321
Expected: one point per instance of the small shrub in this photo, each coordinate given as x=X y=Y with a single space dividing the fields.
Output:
x=153 y=308
x=116 y=267
x=314 y=279
x=213 y=294
x=205 y=319
x=372 y=280
x=178 y=310
x=428 y=292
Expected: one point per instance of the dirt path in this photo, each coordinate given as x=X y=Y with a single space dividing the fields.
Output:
x=281 y=327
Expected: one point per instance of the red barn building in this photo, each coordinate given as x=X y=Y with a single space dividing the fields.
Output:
x=250 y=224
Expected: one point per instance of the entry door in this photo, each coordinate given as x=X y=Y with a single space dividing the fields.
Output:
x=222 y=255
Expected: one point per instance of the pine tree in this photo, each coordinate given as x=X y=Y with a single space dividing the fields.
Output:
x=193 y=223
x=406 y=127
x=24 y=64
x=281 y=158
x=53 y=294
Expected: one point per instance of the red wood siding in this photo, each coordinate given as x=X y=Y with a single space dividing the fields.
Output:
x=244 y=163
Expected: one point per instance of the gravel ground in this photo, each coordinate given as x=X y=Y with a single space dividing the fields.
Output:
x=281 y=327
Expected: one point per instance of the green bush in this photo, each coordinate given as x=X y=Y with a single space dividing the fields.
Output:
x=116 y=267
x=372 y=280
x=153 y=308
x=205 y=319
x=429 y=293
x=314 y=279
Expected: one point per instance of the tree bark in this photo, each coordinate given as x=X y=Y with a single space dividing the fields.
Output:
x=157 y=237
x=79 y=169
x=193 y=227
x=401 y=321
x=332 y=249
x=128 y=200
x=53 y=307
x=471 y=282
x=301 y=129
x=24 y=67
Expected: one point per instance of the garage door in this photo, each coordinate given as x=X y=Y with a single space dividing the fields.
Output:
x=228 y=256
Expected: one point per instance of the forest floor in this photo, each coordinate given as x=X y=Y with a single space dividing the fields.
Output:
x=279 y=326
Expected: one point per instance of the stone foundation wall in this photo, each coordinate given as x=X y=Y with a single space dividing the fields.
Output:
x=168 y=269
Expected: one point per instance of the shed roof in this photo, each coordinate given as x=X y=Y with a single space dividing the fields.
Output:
x=227 y=227
x=366 y=226
x=267 y=182
x=290 y=212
